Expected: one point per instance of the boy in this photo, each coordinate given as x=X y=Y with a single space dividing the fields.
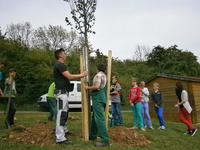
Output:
x=157 y=99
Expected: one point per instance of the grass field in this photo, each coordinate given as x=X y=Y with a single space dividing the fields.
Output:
x=170 y=139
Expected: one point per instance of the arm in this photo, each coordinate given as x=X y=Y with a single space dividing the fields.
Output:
x=74 y=76
x=184 y=97
x=116 y=89
x=1 y=93
x=145 y=91
x=160 y=101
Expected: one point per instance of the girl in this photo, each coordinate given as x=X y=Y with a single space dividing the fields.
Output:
x=184 y=108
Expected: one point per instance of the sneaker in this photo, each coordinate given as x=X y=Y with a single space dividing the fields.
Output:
x=145 y=127
x=92 y=139
x=151 y=128
x=134 y=128
x=142 y=129
x=187 y=133
x=162 y=127
x=121 y=124
x=66 y=142
x=101 y=144
x=50 y=119
x=193 y=132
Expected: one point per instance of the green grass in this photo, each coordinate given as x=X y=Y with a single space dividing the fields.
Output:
x=170 y=139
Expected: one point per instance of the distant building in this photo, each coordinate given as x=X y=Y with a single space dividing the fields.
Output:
x=167 y=86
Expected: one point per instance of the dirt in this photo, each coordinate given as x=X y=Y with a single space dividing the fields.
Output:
x=126 y=137
x=42 y=134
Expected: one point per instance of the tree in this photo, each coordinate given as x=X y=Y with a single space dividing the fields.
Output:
x=174 y=61
x=141 y=53
x=54 y=37
x=83 y=15
x=20 y=32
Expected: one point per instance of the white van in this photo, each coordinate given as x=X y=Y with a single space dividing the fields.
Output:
x=74 y=97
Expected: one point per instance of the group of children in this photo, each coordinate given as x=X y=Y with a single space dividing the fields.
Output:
x=139 y=98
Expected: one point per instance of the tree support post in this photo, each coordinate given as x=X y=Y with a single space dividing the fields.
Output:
x=108 y=86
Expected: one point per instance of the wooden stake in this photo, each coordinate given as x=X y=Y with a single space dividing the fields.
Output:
x=85 y=116
x=108 y=86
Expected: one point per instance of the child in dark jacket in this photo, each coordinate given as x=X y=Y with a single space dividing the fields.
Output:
x=157 y=99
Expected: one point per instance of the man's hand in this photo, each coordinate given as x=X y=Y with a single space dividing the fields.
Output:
x=85 y=73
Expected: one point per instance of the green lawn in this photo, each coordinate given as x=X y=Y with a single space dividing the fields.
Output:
x=170 y=139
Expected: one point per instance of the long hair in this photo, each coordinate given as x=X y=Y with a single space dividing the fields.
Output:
x=179 y=88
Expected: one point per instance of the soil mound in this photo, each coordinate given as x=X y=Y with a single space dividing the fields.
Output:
x=126 y=137
x=43 y=134
x=40 y=134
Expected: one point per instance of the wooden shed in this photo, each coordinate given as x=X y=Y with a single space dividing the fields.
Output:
x=167 y=86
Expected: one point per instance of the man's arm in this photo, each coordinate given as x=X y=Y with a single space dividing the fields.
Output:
x=74 y=76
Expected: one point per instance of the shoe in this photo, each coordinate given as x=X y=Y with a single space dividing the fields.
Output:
x=193 y=132
x=66 y=142
x=151 y=128
x=187 y=133
x=92 y=139
x=121 y=124
x=134 y=128
x=142 y=129
x=101 y=144
x=68 y=133
x=162 y=127
x=50 y=119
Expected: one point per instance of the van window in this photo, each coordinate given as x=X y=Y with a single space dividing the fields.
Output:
x=78 y=87
x=72 y=86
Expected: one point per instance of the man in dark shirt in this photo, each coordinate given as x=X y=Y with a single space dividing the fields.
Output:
x=62 y=80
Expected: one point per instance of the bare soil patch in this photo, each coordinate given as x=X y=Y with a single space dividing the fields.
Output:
x=42 y=134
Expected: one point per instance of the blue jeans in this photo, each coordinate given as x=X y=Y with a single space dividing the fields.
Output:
x=137 y=115
x=145 y=113
x=159 y=113
x=116 y=111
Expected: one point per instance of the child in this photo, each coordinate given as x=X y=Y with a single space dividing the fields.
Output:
x=145 y=105
x=10 y=94
x=115 y=101
x=157 y=99
x=136 y=105
x=184 y=108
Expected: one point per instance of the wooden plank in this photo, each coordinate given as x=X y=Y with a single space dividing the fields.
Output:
x=85 y=114
x=108 y=86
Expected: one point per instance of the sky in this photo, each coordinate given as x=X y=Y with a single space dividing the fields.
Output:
x=121 y=25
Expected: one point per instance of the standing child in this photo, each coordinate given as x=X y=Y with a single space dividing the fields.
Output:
x=115 y=101
x=184 y=108
x=157 y=99
x=9 y=94
x=145 y=105
x=136 y=105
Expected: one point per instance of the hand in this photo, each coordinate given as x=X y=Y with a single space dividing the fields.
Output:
x=85 y=73
x=156 y=105
x=176 y=105
x=132 y=104
x=86 y=87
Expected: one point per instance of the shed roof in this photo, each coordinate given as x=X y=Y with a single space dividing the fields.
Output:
x=178 y=77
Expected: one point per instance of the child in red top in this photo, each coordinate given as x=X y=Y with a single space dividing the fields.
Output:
x=136 y=105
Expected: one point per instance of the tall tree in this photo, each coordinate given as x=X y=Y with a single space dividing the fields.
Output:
x=22 y=32
x=141 y=53
x=174 y=61
x=54 y=37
